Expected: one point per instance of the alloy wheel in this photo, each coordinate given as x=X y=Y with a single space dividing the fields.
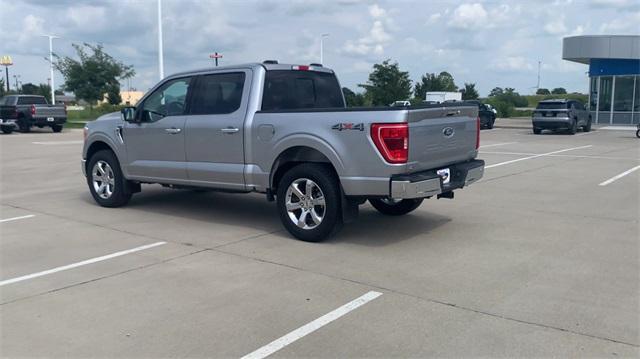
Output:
x=103 y=179
x=305 y=203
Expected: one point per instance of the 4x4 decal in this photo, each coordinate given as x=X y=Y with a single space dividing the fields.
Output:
x=348 y=126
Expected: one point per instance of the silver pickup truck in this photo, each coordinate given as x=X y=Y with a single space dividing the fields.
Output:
x=282 y=130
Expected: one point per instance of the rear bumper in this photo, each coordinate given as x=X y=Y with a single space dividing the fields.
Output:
x=8 y=123
x=551 y=122
x=44 y=121
x=429 y=183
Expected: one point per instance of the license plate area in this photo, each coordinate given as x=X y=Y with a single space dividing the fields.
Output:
x=50 y=119
x=445 y=175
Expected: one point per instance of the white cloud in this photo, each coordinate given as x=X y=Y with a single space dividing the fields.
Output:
x=469 y=16
x=627 y=24
x=512 y=63
x=556 y=26
x=434 y=18
x=375 y=39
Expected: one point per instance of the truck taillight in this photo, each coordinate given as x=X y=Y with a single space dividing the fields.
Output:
x=392 y=140
x=478 y=132
x=33 y=110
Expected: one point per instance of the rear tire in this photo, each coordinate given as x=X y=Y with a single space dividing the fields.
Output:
x=23 y=126
x=399 y=208
x=56 y=128
x=587 y=127
x=574 y=127
x=309 y=202
x=537 y=131
x=638 y=133
x=7 y=129
x=106 y=181
x=490 y=124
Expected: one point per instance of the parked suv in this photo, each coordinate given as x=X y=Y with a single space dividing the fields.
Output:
x=283 y=130
x=560 y=115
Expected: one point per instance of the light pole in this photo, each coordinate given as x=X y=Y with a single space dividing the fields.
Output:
x=322 y=48
x=15 y=78
x=51 y=37
x=160 y=52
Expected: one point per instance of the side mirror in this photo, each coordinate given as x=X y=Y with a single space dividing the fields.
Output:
x=129 y=114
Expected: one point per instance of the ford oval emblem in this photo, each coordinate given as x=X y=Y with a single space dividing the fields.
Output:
x=448 y=132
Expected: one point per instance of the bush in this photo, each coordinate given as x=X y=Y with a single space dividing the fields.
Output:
x=90 y=114
x=504 y=108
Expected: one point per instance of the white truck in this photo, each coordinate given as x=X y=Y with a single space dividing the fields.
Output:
x=442 y=96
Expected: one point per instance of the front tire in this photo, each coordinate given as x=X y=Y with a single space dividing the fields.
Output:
x=537 y=131
x=638 y=133
x=7 y=129
x=392 y=207
x=309 y=202
x=56 y=128
x=106 y=181
x=587 y=127
x=490 y=124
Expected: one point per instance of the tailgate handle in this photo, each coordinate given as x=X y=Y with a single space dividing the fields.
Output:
x=453 y=113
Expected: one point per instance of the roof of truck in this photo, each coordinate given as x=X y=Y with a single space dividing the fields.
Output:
x=253 y=65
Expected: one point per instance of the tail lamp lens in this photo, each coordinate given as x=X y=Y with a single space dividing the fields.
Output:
x=33 y=109
x=392 y=141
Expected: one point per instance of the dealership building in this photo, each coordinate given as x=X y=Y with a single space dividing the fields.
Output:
x=614 y=75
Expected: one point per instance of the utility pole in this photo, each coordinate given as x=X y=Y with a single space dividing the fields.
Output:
x=216 y=56
x=160 y=52
x=53 y=93
x=322 y=48
x=538 y=85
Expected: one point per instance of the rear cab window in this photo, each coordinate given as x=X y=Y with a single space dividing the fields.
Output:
x=552 y=106
x=292 y=90
x=31 y=100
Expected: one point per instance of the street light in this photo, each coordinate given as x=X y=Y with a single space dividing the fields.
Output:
x=51 y=37
x=15 y=78
x=160 y=51
x=322 y=48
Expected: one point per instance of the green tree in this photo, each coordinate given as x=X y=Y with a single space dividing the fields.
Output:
x=41 y=90
x=469 y=92
x=543 y=91
x=95 y=74
x=497 y=91
x=387 y=84
x=432 y=82
x=353 y=99
x=559 y=91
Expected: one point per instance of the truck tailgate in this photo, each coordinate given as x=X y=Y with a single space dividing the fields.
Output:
x=50 y=111
x=441 y=136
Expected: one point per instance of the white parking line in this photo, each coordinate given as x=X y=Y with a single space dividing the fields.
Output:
x=497 y=144
x=311 y=327
x=617 y=177
x=536 y=156
x=54 y=143
x=16 y=218
x=568 y=156
x=78 y=264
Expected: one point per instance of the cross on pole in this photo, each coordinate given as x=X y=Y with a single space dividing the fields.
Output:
x=216 y=56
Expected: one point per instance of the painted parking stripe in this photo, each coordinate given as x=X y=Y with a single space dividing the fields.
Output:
x=311 y=327
x=536 y=156
x=617 y=177
x=54 y=143
x=16 y=218
x=79 y=264
x=567 y=156
x=497 y=144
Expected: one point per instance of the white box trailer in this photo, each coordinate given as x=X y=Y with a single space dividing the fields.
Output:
x=442 y=96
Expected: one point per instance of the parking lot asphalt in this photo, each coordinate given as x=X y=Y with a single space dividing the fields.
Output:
x=539 y=258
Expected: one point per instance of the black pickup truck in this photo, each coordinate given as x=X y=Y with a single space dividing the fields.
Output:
x=26 y=111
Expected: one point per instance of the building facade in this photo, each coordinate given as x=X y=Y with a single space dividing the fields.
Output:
x=614 y=75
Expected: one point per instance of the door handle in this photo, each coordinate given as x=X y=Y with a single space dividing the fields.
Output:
x=229 y=130
x=172 y=130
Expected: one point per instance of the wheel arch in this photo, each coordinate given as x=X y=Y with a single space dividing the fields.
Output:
x=293 y=156
x=97 y=146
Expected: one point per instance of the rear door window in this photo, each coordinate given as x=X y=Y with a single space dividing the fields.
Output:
x=218 y=94
x=291 y=90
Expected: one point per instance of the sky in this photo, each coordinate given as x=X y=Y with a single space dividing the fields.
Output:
x=495 y=43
